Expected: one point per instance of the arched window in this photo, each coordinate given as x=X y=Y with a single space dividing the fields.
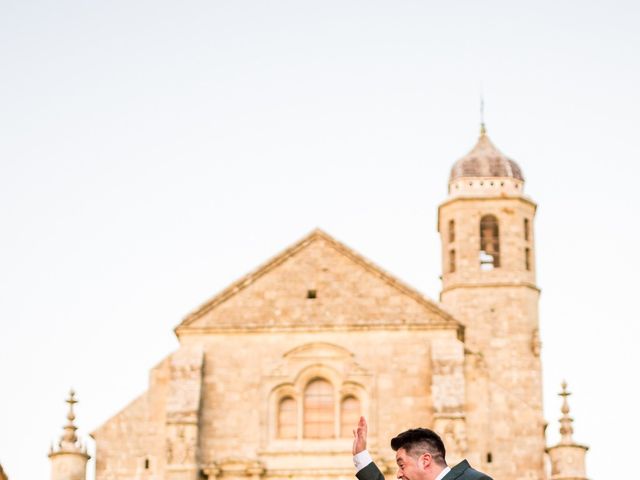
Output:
x=349 y=415
x=318 y=410
x=452 y=231
x=527 y=258
x=452 y=261
x=287 y=418
x=526 y=229
x=489 y=243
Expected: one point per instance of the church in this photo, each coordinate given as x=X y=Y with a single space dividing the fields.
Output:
x=272 y=373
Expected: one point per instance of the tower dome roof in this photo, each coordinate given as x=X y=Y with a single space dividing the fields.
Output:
x=485 y=160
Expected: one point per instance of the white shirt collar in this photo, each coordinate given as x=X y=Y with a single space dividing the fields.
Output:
x=443 y=473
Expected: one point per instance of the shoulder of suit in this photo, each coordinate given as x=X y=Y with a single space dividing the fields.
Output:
x=467 y=472
x=473 y=474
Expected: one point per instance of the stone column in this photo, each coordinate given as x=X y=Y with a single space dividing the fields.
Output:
x=183 y=408
x=448 y=392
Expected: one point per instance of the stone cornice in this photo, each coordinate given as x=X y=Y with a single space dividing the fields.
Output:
x=310 y=472
x=491 y=285
x=308 y=328
x=60 y=453
x=476 y=198
x=567 y=445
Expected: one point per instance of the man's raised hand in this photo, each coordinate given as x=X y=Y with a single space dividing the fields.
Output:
x=360 y=436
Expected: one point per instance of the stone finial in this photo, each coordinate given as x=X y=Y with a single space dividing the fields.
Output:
x=69 y=436
x=567 y=457
x=566 y=422
x=69 y=441
x=69 y=459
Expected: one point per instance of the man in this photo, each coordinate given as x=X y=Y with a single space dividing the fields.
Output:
x=420 y=455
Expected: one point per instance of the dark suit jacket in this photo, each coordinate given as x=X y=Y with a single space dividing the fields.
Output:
x=462 y=471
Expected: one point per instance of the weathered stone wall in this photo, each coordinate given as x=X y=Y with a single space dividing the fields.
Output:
x=402 y=386
x=131 y=445
x=350 y=293
x=390 y=372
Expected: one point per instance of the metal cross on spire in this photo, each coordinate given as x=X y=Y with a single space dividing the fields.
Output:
x=483 y=129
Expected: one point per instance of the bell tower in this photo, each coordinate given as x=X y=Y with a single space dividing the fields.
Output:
x=489 y=284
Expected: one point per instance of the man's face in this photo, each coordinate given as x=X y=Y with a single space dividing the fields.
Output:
x=408 y=466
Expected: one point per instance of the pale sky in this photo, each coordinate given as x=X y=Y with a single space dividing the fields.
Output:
x=152 y=152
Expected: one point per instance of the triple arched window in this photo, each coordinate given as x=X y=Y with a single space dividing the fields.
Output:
x=323 y=414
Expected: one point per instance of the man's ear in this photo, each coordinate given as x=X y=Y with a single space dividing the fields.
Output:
x=425 y=460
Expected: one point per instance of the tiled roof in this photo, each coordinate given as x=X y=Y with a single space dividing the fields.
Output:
x=485 y=160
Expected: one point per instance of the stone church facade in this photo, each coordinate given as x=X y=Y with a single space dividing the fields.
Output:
x=272 y=374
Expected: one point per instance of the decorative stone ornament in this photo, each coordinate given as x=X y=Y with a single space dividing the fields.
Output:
x=69 y=458
x=567 y=457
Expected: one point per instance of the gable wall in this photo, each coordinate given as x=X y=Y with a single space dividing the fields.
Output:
x=348 y=294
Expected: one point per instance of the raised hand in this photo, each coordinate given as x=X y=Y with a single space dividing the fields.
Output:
x=360 y=436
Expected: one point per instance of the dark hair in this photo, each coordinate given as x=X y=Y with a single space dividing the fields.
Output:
x=417 y=441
